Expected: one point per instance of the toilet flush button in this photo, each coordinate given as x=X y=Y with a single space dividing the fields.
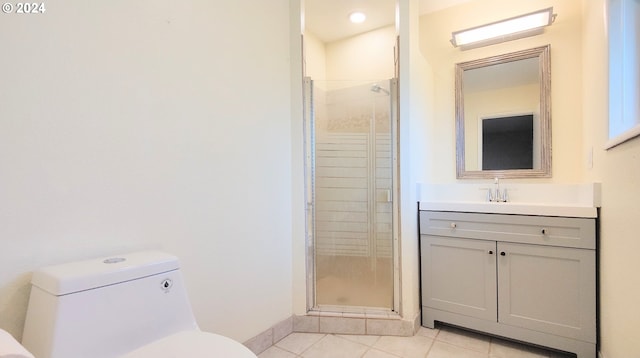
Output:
x=114 y=260
x=166 y=284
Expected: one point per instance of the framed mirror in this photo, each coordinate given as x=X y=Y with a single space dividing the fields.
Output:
x=503 y=116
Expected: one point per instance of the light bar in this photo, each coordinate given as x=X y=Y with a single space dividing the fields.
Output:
x=504 y=30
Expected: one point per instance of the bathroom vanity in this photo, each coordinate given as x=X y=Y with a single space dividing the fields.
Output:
x=523 y=276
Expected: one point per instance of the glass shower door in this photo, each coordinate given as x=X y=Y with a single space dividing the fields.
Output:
x=351 y=167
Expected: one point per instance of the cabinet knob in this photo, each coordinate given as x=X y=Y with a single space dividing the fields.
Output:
x=453 y=225
x=490 y=252
x=503 y=253
x=543 y=231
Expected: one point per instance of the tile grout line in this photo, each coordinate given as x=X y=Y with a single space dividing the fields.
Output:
x=438 y=337
x=314 y=343
x=433 y=342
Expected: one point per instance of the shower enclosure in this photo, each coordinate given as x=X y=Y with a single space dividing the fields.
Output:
x=350 y=194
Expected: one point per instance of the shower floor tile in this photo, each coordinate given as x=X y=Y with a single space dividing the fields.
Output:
x=445 y=342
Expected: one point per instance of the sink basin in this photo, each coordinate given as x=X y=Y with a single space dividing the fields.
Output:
x=568 y=200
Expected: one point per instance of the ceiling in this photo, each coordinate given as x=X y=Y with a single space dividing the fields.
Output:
x=329 y=19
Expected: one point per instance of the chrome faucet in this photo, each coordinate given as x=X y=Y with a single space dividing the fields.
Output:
x=496 y=195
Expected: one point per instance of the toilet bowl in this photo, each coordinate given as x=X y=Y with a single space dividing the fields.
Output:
x=133 y=305
x=192 y=344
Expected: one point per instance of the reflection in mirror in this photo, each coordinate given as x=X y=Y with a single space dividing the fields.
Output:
x=506 y=142
x=502 y=116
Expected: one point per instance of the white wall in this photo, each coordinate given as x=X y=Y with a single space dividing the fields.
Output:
x=417 y=102
x=564 y=36
x=298 y=200
x=366 y=57
x=619 y=171
x=315 y=57
x=130 y=125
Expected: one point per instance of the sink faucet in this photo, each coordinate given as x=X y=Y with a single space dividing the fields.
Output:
x=497 y=195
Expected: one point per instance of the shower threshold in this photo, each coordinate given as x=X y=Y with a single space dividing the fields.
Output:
x=356 y=320
x=354 y=312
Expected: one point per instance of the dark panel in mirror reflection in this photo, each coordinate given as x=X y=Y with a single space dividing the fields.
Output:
x=507 y=143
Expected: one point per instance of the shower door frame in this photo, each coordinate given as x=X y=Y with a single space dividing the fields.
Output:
x=310 y=150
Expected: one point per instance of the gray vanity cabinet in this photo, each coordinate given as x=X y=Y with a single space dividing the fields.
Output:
x=529 y=278
x=548 y=289
x=459 y=275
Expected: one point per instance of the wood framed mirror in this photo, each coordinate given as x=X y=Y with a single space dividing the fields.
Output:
x=503 y=116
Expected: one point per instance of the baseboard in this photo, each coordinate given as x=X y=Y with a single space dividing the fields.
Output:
x=383 y=324
x=271 y=336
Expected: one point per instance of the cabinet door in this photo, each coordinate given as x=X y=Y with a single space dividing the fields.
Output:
x=459 y=275
x=548 y=289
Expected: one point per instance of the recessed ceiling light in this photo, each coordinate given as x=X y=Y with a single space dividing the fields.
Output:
x=357 y=17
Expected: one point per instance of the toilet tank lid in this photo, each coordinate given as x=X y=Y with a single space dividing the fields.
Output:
x=85 y=275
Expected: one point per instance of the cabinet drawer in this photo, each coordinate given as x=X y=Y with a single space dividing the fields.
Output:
x=538 y=230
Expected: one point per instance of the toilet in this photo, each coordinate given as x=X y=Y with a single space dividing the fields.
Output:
x=129 y=306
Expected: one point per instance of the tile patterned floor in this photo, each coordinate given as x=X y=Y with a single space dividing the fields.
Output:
x=442 y=342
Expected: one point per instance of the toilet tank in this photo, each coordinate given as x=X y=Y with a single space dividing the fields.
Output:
x=106 y=307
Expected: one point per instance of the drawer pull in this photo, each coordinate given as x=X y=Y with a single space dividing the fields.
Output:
x=453 y=225
x=543 y=231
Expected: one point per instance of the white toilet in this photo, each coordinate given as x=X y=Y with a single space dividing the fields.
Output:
x=132 y=306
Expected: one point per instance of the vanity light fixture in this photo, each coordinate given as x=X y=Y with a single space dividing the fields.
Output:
x=504 y=30
x=357 y=17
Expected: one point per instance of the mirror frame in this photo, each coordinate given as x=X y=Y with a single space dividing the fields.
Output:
x=544 y=71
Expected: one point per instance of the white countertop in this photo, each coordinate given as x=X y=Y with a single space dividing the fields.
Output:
x=569 y=200
x=565 y=210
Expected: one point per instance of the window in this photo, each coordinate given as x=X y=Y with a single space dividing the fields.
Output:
x=624 y=74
